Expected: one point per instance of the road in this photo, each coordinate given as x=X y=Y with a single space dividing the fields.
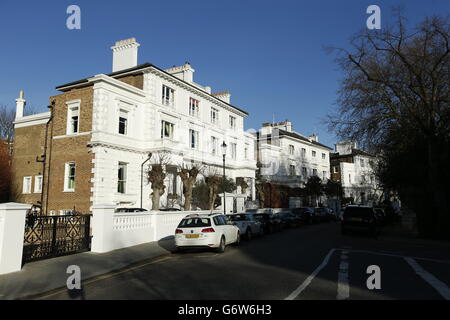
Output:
x=310 y=262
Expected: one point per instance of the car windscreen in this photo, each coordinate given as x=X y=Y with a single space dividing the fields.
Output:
x=238 y=217
x=358 y=212
x=195 y=223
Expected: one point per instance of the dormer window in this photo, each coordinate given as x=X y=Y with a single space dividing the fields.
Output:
x=167 y=96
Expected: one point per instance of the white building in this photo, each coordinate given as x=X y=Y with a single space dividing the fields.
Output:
x=290 y=158
x=113 y=121
x=354 y=168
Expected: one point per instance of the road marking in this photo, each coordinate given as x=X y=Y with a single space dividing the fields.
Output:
x=343 y=291
x=399 y=256
x=308 y=280
x=428 y=277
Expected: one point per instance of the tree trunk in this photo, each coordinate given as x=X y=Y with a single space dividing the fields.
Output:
x=188 y=196
x=212 y=198
x=156 y=196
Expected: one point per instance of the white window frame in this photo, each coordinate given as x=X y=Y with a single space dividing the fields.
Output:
x=313 y=153
x=214 y=145
x=38 y=184
x=291 y=149
x=292 y=170
x=194 y=107
x=163 y=131
x=232 y=121
x=67 y=177
x=123 y=114
x=28 y=189
x=215 y=118
x=123 y=165
x=303 y=153
x=168 y=96
x=194 y=139
x=71 y=107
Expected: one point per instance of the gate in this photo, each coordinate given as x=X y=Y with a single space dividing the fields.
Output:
x=52 y=236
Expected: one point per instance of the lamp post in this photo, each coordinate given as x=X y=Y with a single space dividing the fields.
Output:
x=224 y=152
x=142 y=169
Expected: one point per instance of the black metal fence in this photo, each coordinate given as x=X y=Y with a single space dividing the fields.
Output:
x=52 y=236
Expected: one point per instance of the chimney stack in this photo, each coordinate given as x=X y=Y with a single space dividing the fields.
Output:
x=20 y=105
x=184 y=72
x=125 y=54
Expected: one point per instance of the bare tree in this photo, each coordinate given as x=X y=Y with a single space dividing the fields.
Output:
x=213 y=179
x=188 y=174
x=396 y=89
x=156 y=175
x=7 y=116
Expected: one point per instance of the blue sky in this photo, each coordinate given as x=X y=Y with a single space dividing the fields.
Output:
x=269 y=54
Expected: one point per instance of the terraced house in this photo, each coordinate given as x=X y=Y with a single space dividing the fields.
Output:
x=88 y=149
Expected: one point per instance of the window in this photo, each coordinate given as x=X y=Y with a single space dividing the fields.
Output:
x=214 y=115
x=323 y=156
x=292 y=170
x=303 y=152
x=123 y=119
x=214 y=146
x=324 y=175
x=313 y=153
x=246 y=153
x=350 y=178
x=26 y=185
x=291 y=149
x=166 y=129
x=232 y=122
x=37 y=184
x=336 y=169
x=121 y=177
x=362 y=163
x=314 y=172
x=167 y=96
x=193 y=135
x=233 y=151
x=69 y=184
x=73 y=120
x=304 y=172
x=193 y=107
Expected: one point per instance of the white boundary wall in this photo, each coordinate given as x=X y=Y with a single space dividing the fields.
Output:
x=113 y=231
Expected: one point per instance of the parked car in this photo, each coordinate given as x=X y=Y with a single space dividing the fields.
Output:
x=362 y=218
x=324 y=214
x=381 y=217
x=209 y=231
x=305 y=214
x=170 y=209
x=269 y=222
x=247 y=224
x=288 y=219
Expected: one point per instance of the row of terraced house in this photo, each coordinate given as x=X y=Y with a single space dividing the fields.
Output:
x=88 y=149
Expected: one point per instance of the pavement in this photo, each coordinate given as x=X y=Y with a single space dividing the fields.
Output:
x=46 y=275
x=308 y=263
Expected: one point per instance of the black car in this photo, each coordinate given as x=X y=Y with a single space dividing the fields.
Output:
x=359 y=218
x=269 y=222
x=305 y=214
x=288 y=219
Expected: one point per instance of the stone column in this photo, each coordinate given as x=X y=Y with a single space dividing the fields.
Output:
x=102 y=228
x=12 y=229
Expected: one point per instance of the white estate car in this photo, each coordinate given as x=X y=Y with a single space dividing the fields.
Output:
x=246 y=224
x=206 y=230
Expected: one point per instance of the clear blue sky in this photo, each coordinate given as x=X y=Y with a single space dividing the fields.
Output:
x=268 y=54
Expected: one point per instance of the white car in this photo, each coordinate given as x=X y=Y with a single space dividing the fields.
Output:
x=246 y=224
x=206 y=230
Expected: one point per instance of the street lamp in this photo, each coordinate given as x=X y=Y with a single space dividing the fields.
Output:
x=142 y=169
x=224 y=152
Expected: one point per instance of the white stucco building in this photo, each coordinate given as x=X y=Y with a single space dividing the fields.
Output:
x=290 y=158
x=354 y=168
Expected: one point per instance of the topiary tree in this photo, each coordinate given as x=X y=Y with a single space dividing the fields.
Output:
x=156 y=176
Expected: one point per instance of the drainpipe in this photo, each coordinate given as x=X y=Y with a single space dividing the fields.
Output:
x=44 y=159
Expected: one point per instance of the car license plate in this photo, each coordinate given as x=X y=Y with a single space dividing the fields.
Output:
x=356 y=219
x=192 y=236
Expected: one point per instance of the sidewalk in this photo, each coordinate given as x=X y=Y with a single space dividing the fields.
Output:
x=45 y=275
x=397 y=233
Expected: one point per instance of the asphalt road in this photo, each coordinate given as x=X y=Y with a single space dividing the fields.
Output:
x=310 y=262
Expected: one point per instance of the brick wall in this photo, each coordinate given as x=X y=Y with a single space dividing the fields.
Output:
x=134 y=80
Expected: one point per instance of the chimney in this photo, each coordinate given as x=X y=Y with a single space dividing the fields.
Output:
x=20 y=105
x=223 y=95
x=314 y=137
x=125 y=54
x=184 y=72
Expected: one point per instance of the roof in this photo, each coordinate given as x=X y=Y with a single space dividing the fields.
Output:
x=140 y=68
x=221 y=93
x=355 y=152
x=300 y=137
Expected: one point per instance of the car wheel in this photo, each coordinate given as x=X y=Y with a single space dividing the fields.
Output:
x=221 y=247
x=248 y=234
x=238 y=239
